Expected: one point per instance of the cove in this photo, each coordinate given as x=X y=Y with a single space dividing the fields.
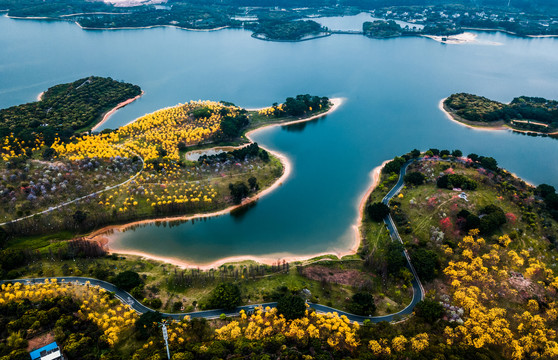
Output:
x=392 y=90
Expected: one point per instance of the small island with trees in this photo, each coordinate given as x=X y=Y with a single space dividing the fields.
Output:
x=288 y=30
x=66 y=109
x=523 y=114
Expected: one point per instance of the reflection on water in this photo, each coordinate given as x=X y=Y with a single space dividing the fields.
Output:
x=301 y=126
x=239 y=213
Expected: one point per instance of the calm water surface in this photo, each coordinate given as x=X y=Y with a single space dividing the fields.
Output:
x=392 y=88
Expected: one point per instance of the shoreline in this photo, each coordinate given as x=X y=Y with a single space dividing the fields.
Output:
x=147 y=27
x=442 y=108
x=375 y=176
x=40 y=96
x=109 y=113
x=99 y=235
x=458 y=39
x=312 y=37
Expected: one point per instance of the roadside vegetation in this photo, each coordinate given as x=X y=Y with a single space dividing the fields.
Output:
x=484 y=253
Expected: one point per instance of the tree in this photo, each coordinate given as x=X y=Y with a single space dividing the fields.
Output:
x=489 y=163
x=238 y=191
x=493 y=218
x=415 y=178
x=253 y=182
x=473 y=157
x=176 y=306
x=543 y=190
x=394 y=166
x=127 y=280
x=429 y=310
x=450 y=181
x=225 y=296
x=377 y=211
x=145 y=324
x=362 y=303
x=457 y=153
x=156 y=303
x=291 y=307
x=426 y=263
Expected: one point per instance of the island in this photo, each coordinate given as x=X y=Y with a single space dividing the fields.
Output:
x=381 y=29
x=292 y=20
x=532 y=115
x=466 y=245
x=67 y=109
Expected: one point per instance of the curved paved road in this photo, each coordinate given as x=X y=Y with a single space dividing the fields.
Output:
x=126 y=298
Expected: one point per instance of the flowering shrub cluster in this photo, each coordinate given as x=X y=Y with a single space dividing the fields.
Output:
x=109 y=315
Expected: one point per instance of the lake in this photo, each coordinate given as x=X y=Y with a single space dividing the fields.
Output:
x=392 y=90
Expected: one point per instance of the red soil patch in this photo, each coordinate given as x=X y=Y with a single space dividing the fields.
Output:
x=343 y=277
x=40 y=341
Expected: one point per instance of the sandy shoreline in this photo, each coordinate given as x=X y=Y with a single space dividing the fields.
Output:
x=99 y=235
x=114 y=109
x=479 y=127
x=375 y=175
x=462 y=38
x=151 y=27
x=40 y=96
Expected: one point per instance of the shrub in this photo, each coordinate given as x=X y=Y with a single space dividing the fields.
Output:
x=377 y=211
x=291 y=307
x=415 y=178
x=156 y=303
x=225 y=296
x=456 y=181
x=429 y=310
x=127 y=280
x=426 y=263
x=362 y=304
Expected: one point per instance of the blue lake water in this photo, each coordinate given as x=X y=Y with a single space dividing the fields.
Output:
x=392 y=88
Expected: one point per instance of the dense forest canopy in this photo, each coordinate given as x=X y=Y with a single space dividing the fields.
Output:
x=66 y=108
x=290 y=30
x=381 y=29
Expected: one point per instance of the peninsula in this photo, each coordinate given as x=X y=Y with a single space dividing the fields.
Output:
x=524 y=114
x=141 y=171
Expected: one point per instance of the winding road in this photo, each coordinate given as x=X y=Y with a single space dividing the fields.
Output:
x=126 y=298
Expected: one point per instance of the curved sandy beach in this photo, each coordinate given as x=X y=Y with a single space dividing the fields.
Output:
x=114 y=109
x=479 y=127
x=265 y=259
x=269 y=259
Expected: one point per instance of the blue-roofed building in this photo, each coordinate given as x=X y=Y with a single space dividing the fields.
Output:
x=48 y=352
